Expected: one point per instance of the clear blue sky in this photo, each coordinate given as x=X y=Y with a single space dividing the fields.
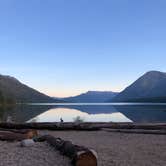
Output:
x=64 y=47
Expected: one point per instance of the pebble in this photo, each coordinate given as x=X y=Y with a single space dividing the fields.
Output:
x=27 y=143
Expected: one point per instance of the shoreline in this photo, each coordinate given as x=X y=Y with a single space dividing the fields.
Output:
x=84 y=125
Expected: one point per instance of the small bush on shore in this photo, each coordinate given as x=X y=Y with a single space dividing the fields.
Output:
x=78 y=119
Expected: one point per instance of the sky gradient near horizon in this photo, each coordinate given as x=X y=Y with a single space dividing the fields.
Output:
x=65 y=47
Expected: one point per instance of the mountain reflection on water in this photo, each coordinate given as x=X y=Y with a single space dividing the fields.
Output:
x=88 y=113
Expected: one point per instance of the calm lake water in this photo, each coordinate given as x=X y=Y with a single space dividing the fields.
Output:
x=103 y=112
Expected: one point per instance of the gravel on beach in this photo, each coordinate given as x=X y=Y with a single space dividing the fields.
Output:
x=119 y=149
x=114 y=149
x=40 y=154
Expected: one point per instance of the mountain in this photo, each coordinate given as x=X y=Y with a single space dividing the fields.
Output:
x=92 y=97
x=151 y=87
x=11 y=88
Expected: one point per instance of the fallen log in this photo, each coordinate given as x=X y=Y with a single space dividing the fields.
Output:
x=21 y=131
x=49 y=126
x=17 y=136
x=79 y=155
x=83 y=126
x=136 y=131
x=144 y=126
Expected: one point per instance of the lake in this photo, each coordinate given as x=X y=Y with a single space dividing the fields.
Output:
x=87 y=112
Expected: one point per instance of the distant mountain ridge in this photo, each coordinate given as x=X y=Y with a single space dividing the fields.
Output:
x=91 y=97
x=151 y=87
x=11 y=87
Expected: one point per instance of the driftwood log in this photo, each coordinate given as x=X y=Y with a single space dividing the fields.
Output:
x=136 y=131
x=83 y=126
x=79 y=155
x=17 y=135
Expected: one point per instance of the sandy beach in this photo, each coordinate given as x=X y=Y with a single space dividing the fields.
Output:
x=114 y=149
